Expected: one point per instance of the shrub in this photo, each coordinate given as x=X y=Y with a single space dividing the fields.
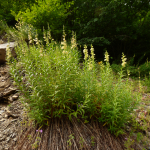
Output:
x=53 y=83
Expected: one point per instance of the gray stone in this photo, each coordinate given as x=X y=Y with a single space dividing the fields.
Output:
x=6 y=116
x=10 y=99
x=15 y=139
x=15 y=97
x=1 y=112
x=3 y=51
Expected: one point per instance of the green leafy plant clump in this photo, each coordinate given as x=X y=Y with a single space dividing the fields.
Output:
x=54 y=83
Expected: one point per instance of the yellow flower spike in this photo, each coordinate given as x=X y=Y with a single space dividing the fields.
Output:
x=92 y=52
x=106 y=57
x=30 y=37
x=123 y=58
x=85 y=51
x=8 y=53
x=36 y=38
x=73 y=41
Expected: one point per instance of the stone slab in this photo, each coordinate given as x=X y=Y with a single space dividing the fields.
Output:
x=3 y=50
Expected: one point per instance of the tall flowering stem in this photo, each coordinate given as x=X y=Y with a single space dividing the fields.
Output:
x=106 y=57
x=37 y=41
x=124 y=59
x=123 y=64
x=30 y=36
x=73 y=41
x=64 y=43
x=85 y=51
x=92 y=53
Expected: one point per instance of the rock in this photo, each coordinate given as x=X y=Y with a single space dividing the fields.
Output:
x=9 y=91
x=2 y=73
x=7 y=139
x=4 y=84
x=15 y=139
x=12 y=115
x=15 y=97
x=13 y=135
x=3 y=51
x=1 y=112
x=10 y=99
x=6 y=116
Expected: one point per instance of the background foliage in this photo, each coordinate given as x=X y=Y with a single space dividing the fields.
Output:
x=117 y=25
x=9 y=8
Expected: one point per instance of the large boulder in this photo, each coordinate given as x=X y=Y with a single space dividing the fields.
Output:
x=3 y=51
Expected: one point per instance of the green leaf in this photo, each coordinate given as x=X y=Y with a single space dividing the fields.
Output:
x=95 y=19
